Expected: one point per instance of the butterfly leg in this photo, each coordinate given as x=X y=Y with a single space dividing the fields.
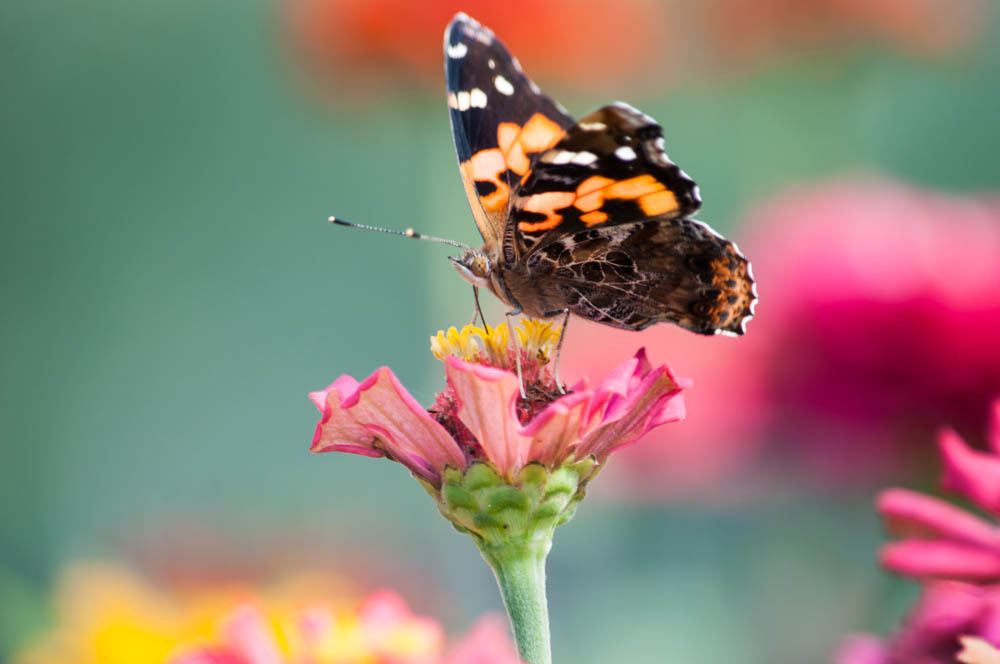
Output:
x=478 y=313
x=562 y=335
x=517 y=349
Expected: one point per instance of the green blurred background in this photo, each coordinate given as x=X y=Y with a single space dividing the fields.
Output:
x=171 y=291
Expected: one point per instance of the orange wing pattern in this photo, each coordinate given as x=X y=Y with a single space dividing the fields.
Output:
x=500 y=120
x=609 y=168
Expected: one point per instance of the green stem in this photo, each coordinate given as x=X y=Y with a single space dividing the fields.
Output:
x=520 y=572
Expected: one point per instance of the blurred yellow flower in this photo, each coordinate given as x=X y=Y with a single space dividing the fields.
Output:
x=108 y=615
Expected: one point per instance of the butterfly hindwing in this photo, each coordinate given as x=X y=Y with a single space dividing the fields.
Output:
x=499 y=118
x=663 y=269
x=610 y=168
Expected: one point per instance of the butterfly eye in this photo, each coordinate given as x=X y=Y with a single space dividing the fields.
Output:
x=480 y=266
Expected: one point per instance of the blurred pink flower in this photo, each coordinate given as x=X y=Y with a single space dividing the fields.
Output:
x=383 y=631
x=880 y=305
x=946 y=612
x=487 y=643
x=880 y=318
x=942 y=540
x=480 y=416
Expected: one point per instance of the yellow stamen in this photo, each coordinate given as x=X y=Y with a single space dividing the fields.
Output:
x=460 y=344
x=539 y=338
x=491 y=344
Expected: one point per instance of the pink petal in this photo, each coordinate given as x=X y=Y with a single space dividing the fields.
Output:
x=913 y=514
x=487 y=399
x=384 y=607
x=247 y=634
x=615 y=385
x=994 y=427
x=861 y=649
x=555 y=432
x=379 y=416
x=384 y=612
x=945 y=610
x=938 y=559
x=487 y=643
x=651 y=402
x=989 y=622
x=972 y=473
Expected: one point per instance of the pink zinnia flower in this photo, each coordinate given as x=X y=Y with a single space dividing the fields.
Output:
x=506 y=461
x=943 y=540
x=938 y=628
x=481 y=417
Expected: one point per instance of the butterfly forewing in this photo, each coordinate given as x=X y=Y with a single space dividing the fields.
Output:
x=610 y=168
x=500 y=120
x=590 y=216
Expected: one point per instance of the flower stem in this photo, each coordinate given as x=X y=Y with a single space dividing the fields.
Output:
x=520 y=572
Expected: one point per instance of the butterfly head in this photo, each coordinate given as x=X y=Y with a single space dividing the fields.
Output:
x=474 y=267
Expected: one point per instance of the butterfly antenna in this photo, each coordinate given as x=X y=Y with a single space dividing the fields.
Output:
x=409 y=232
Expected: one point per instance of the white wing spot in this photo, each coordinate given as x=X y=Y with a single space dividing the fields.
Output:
x=457 y=50
x=584 y=158
x=492 y=63
x=452 y=100
x=477 y=98
x=463 y=100
x=592 y=126
x=625 y=153
x=563 y=157
x=503 y=86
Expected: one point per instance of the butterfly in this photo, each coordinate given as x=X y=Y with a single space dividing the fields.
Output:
x=588 y=216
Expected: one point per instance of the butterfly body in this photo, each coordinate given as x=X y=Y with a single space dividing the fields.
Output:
x=589 y=216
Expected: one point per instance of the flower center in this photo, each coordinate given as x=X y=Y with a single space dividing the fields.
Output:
x=491 y=346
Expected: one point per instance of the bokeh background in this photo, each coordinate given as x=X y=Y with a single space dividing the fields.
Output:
x=171 y=291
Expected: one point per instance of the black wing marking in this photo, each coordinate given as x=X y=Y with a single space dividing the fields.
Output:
x=486 y=89
x=610 y=168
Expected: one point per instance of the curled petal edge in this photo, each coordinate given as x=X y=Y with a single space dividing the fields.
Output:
x=926 y=559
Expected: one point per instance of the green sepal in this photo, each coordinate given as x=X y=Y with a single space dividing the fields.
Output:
x=498 y=512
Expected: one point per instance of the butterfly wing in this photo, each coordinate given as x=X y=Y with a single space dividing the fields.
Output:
x=499 y=119
x=663 y=269
x=610 y=168
x=602 y=221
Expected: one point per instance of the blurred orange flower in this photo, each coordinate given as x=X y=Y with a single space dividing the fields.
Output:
x=584 y=44
x=109 y=615
x=742 y=31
